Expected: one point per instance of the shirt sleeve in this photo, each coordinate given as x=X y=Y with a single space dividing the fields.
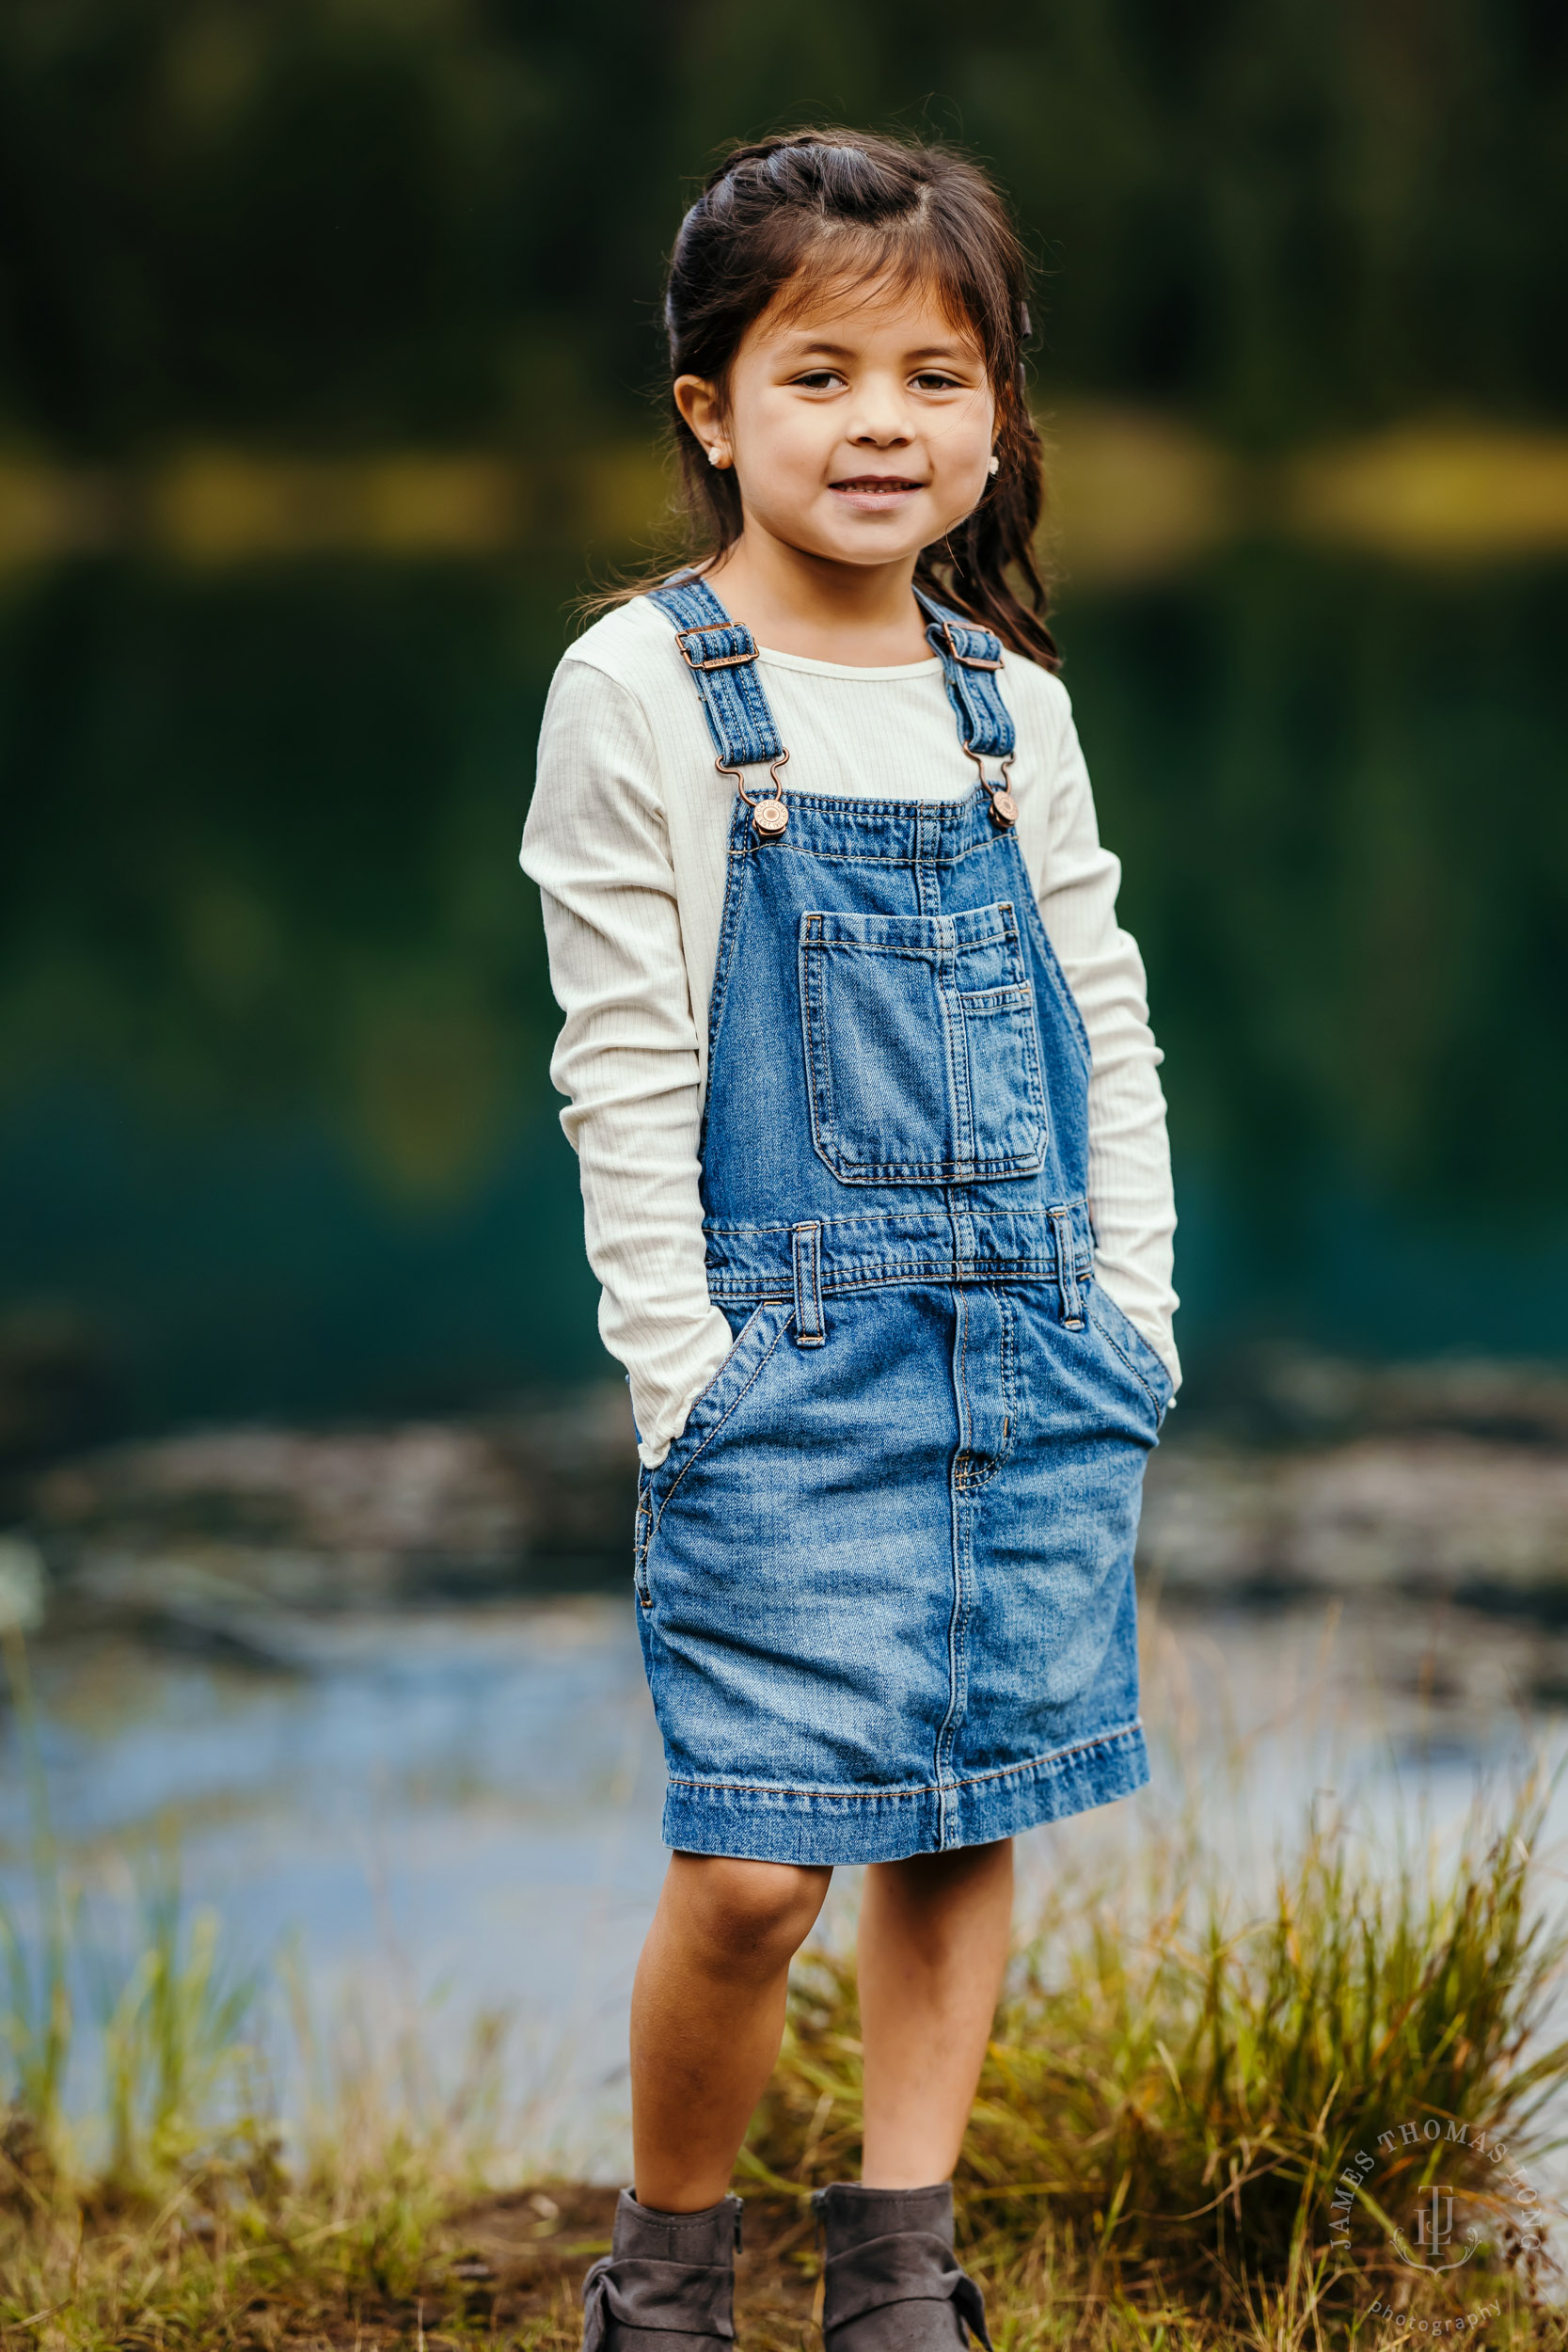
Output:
x=1132 y=1199
x=596 y=843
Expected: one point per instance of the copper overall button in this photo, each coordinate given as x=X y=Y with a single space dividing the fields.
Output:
x=770 y=817
x=1003 y=808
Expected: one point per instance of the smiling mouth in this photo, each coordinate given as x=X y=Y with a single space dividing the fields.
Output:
x=874 y=486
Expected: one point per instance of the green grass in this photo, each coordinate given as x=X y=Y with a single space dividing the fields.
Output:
x=1173 y=2088
x=1173 y=2091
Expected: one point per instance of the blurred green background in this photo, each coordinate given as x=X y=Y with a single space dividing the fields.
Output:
x=327 y=333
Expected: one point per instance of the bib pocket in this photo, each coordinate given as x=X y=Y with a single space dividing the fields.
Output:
x=923 y=1060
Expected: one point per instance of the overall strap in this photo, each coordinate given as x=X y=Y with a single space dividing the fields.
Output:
x=971 y=658
x=721 y=656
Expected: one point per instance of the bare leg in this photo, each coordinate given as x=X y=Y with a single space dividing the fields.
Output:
x=934 y=1934
x=707 y=2016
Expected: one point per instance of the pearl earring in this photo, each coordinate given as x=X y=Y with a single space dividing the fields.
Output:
x=996 y=466
x=714 y=458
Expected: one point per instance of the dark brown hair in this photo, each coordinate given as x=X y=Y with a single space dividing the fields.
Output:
x=789 y=212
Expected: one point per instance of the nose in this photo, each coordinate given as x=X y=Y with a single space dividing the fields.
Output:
x=881 y=418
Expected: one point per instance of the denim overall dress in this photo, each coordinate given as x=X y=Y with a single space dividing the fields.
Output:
x=884 y=1575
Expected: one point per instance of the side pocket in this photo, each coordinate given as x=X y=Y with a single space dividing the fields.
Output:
x=700 y=1410
x=1123 y=1334
x=710 y=1419
x=642 y=1530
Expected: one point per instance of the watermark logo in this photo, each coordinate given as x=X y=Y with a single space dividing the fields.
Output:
x=1438 y=2190
x=1434 y=2234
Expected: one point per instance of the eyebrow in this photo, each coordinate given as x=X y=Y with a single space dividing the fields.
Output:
x=926 y=351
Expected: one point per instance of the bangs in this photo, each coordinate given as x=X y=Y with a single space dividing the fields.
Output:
x=860 y=263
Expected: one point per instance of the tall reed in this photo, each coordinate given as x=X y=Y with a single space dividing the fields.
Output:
x=1176 y=2091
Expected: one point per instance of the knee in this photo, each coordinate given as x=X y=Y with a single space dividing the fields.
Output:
x=751 y=1917
x=937 y=1900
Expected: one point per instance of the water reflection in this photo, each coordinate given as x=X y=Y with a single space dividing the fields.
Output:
x=276 y=1132
x=440 y=1816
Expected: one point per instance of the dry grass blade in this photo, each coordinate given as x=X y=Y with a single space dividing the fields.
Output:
x=1179 y=2089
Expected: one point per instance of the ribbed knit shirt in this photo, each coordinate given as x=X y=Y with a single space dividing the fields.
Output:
x=626 y=838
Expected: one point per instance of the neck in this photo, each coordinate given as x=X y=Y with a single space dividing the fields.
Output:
x=863 y=615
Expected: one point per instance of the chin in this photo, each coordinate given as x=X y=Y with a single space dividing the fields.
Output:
x=862 y=554
x=883 y=538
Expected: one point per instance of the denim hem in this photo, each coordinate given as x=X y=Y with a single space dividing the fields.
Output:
x=825 y=1827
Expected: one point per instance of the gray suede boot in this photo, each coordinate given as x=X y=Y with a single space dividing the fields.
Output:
x=667 y=2284
x=891 y=2281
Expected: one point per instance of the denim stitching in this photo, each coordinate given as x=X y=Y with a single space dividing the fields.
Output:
x=736 y=1343
x=994 y=1462
x=641 y=1535
x=1009 y=1377
x=939 y=1171
x=957 y=931
x=964 y=808
x=919 y=1788
x=971 y=839
x=955 y=1038
x=965 y=1271
x=764 y=1358
x=955 y=1007
x=958 y=1522
x=817 y=925
x=1032 y=1055
x=728 y=929
x=1054 y=968
x=905 y=955
x=814 y=1023
x=966 y=1417
x=1112 y=1339
x=1005 y=999
x=811 y=1328
x=983 y=1467
x=891 y=1216
x=818 y=1062
x=1055 y=1755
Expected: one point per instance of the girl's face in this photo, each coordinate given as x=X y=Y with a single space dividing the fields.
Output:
x=860 y=430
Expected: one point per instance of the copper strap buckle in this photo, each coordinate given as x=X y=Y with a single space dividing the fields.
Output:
x=1003 y=808
x=715 y=661
x=970 y=661
x=769 y=817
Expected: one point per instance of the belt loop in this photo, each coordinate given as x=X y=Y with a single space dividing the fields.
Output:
x=1067 y=1270
x=810 y=1330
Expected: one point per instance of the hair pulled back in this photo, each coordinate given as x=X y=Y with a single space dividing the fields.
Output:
x=804 y=206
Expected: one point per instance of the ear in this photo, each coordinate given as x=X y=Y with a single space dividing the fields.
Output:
x=698 y=401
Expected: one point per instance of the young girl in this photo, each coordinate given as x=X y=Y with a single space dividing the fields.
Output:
x=877 y=1186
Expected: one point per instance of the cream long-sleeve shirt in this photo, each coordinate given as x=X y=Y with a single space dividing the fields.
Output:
x=626 y=838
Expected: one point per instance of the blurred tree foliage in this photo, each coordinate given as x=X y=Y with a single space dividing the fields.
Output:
x=328 y=220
